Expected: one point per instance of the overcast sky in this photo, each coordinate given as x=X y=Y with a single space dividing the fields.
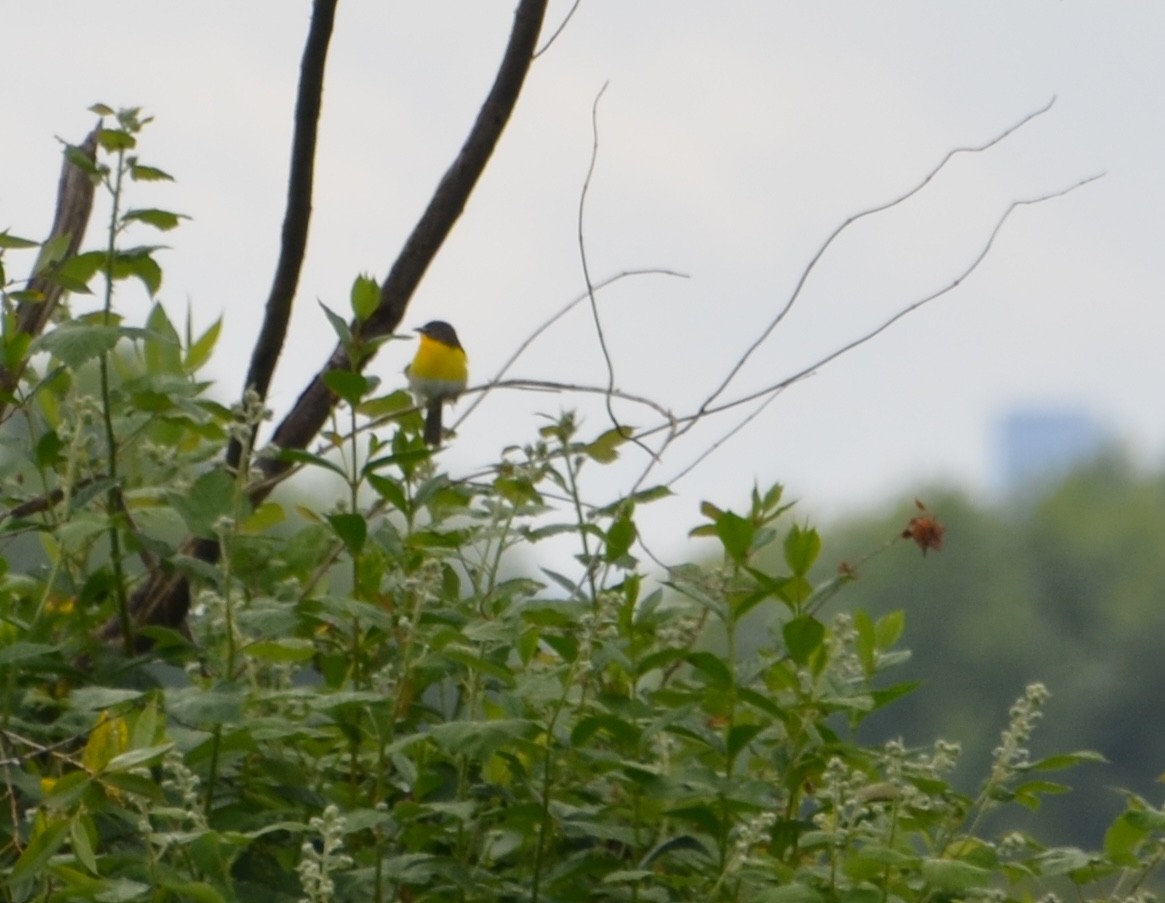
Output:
x=734 y=137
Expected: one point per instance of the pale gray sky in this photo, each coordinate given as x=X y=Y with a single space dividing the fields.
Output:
x=734 y=138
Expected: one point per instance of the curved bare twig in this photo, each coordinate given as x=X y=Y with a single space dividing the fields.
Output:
x=770 y=392
x=551 y=320
x=559 y=30
x=164 y=598
x=311 y=409
x=813 y=261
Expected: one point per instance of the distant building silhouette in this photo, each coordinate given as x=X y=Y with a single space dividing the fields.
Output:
x=1038 y=445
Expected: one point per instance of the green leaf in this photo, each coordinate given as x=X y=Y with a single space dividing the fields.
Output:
x=285 y=649
x=712 y=667
x=135 y=758
x=620 y=536
x=46 y=840
x=365 y=297
x=263 y=518
x=480 y=739
x=80 y=158
x=76 y=343
x=352 y=530
x=803 y=636
x=604 y=449
x=736 y=534
x=79 y=269
x=339 y=325
x=82 y=846
x=791 y=893
x=163 y=220
x=141 y=173
x=21 y=651
x=48 y=449
x=389 y=490
x=802 y=546
x=163 y=352
x=210 y=498
x=1068 y=760
x=116 y=140
x=299 y=456
x=740 y=735
x=889 y=628
x=349 y=386
x=196 y=891
x=199 y=351
x=679 y=843
x=15 y=242
x=1062 y=861
x=138 y=263
x=954 y=876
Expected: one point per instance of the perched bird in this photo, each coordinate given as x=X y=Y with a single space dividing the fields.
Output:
x=438 y=373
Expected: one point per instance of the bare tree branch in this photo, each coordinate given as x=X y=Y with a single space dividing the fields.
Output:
x=74 y=204
x=297 y=217
x=164 y=597
x=311 y=410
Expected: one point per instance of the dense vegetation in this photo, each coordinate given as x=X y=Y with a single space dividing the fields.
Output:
x=357 y=701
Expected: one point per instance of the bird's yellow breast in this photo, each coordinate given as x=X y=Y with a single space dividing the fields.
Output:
x=438 y=370
x=436 y=360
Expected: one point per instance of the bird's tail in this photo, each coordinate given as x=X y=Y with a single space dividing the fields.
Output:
x=433 y=424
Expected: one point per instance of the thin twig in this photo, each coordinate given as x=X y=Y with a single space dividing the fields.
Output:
x=559 y=30
x=772 y=390
x=582 y=252
x=813 y=261
x=554 y=318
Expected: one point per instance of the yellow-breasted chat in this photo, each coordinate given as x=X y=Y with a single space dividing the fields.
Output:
x=438 y=373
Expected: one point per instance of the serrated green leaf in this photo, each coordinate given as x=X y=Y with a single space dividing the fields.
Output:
x=139 y=264
x=115 y=140
x=141 y=173
x=163 y=220
x=604 y=449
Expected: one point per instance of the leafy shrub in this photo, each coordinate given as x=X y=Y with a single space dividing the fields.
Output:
x=369 y=701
